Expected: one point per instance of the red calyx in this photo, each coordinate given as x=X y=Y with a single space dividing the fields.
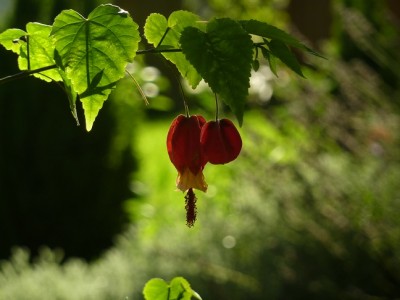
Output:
x=183 y=143
x=220 y=141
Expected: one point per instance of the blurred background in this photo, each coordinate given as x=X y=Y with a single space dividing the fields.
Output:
x=309 y=210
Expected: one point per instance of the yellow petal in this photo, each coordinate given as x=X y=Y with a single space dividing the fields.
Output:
x=187 y=180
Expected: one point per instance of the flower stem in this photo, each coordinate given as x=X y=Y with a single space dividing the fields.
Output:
x=184 y=100
x=216 y=108
x=186 y=107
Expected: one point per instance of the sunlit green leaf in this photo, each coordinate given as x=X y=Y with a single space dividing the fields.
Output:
x=72 y=95
x=181 y=19
x=94 y=52
x=41 y=52
x=41 y=49
x=10 y=39
x=223 y=57
x=155 y=28
x=180 y=289
x=156 y=289
x=281 y=51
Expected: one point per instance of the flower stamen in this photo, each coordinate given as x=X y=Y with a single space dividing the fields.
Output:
x=191 y=209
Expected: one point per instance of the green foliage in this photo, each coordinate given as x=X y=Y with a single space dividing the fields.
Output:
x=41 y=51
x=165 y=34
x=94 y=52
x=271 y=60
x=9 y=39
x=89 y=55
x=278 y=43
x=36 y=43
x=177 y=289
x=273 y=33
x=223 y=56
x=281 y=51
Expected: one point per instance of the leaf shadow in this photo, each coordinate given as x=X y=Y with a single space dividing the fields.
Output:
x=94 y=87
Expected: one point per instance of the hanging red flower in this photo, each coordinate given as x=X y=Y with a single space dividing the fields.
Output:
x=183 y=144
x=191 y=143
x=185 y=153
x=220 y=141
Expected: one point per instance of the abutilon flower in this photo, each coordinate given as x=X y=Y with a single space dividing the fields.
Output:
x=191 y=143
x=220 y=141
x=185 y=153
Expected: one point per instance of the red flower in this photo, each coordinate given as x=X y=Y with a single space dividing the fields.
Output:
x=191 y=143
x=184 y=150
x=220 y=141
x=183 y=144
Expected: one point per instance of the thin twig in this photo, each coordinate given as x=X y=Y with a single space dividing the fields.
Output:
x=155 y=50
x=24 y=74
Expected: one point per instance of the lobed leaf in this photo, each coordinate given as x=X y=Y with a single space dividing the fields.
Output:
x=157 y=25
x=223 y=57
x=94 y=52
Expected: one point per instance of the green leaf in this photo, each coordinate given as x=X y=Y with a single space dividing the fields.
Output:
x=180 y=289
x=281 y=51
x=256 y=65
x=94 y=52
x=41 y=52
x=10 y=39
x=41 y=49
x=271 y=60
x=223 y=57
x=271 y=32
x=156 y=289
x=155 y=28
x=72 y=96
x=177 y=289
